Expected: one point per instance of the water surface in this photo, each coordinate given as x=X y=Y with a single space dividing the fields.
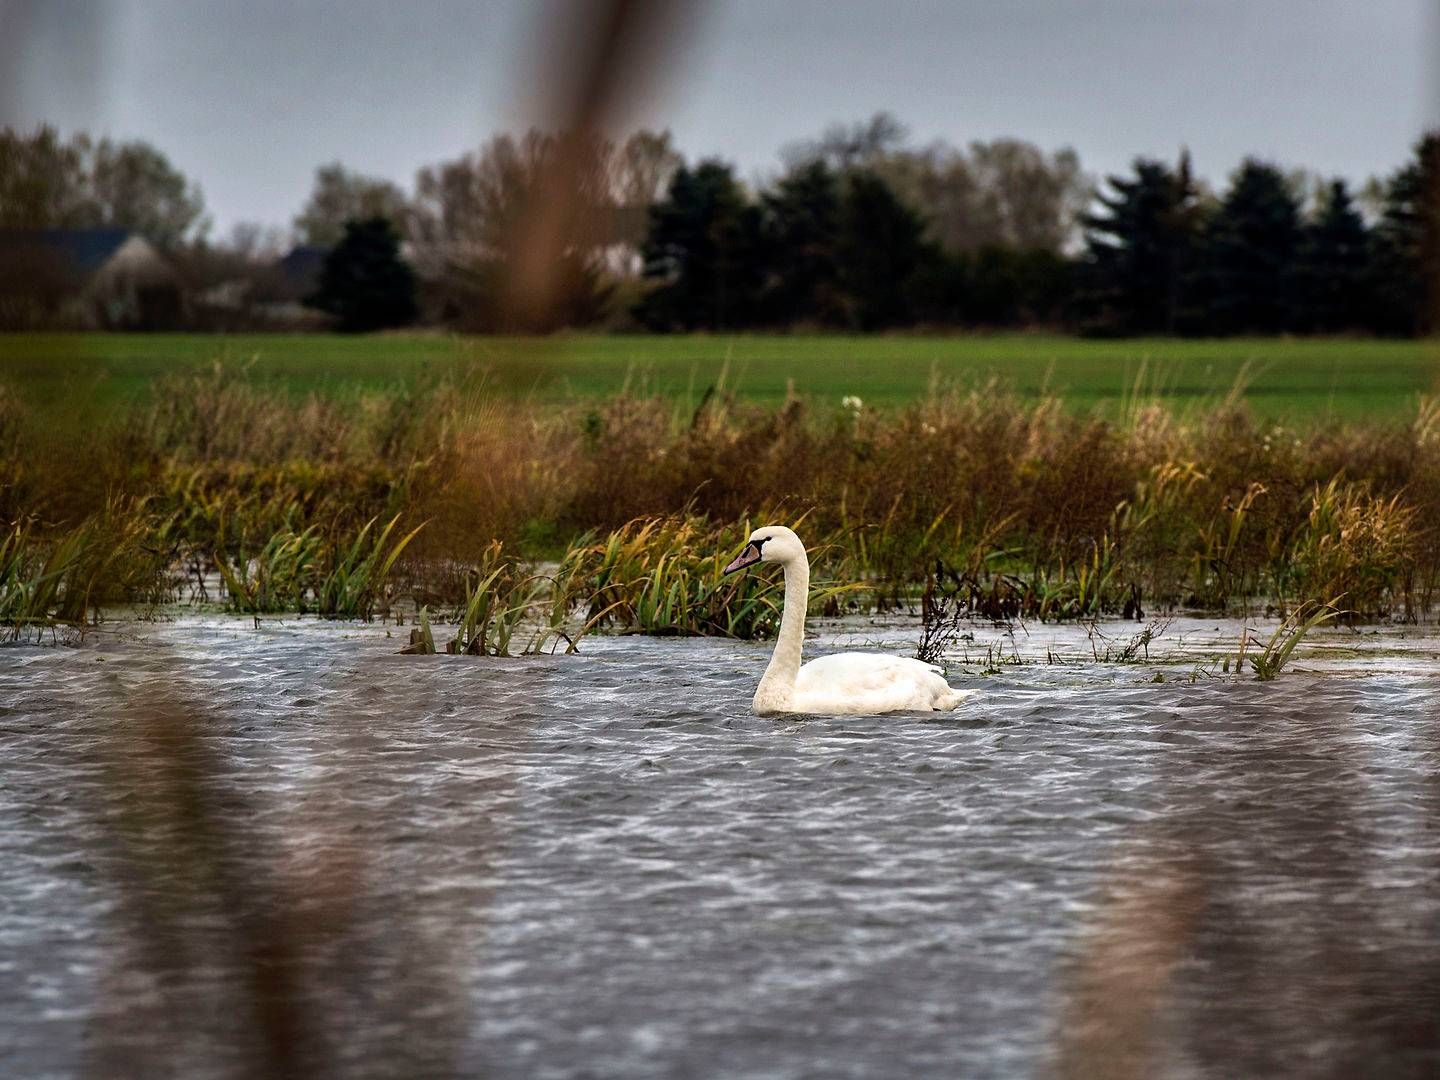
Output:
x=603 y=865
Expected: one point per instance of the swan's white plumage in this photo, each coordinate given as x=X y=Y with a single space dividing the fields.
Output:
x=870 y=683
x=845 y=683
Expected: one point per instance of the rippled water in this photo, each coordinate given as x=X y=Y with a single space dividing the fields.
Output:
x=603 y=865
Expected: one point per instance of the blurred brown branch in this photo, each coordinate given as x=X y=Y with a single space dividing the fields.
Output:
x=248 y=953
x=600 y=60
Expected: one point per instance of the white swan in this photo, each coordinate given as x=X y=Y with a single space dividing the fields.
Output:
x=850 y=683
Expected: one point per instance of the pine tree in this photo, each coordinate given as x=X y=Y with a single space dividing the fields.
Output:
x=1332 y=267
x=704 y=249
x=882 y=251
x=364 y=282
x=1407 y=246
x=1140 y=250
x=1005 y=286
x=802 y=234
x=1250 y=250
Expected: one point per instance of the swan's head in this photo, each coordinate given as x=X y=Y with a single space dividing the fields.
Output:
x=769 y=543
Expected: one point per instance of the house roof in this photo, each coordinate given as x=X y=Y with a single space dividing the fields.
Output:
x=83 y=251
x=302 y=264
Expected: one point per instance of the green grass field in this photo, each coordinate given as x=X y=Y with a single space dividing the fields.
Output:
x=1291 y=379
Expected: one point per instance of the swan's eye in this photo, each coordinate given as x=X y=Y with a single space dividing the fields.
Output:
x=759 y=540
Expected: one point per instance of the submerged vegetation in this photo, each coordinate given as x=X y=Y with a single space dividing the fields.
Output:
x=1271 y=655
x=663 y=576
x=527 y=525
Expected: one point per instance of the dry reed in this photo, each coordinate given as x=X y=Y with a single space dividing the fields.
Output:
x=1031 y=508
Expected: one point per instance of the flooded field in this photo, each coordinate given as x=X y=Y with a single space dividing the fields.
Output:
x=604 y=865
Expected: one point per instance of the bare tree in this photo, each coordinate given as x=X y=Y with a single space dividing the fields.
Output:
x=134 y=186
x=940 y=182
x=467 y=206
x=466 y=229
x=42 y=180
x=340 y=196
x=1005 y=192
x=49 y=183
x=849 y=146
x=642 y=168
x=256 y=242
x=1032 y=200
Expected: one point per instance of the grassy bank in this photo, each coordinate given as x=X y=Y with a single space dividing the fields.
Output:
x=442 y=494
x=1289 y=380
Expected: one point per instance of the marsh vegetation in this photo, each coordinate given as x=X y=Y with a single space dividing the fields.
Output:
x=617 y=512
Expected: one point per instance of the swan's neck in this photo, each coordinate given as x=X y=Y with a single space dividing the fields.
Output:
x=779 y=678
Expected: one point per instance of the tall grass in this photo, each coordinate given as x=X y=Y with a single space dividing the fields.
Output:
x=353 y=584
x=1020 y=507
x=664 y=576
x=300 y=571
x=63 y=577
x=1270 y=656
x=502 y=597
x=33 y=584
x=1356 y=544
x=278 y=578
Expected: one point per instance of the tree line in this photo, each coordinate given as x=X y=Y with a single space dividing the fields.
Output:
x=80 y=183
x=1163 y=255
x=857 y=230
x=855 y=242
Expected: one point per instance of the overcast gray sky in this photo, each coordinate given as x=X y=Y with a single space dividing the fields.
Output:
x=249 y=97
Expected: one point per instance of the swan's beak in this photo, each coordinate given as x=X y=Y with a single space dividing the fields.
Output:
x=749 y=555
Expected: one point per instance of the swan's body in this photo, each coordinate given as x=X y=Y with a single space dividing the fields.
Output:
x=869 y=683
x=850 y=683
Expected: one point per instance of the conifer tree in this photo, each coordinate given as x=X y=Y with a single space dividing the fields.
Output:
x=1407 y=245
x=1332 y=266
x=882 y=251
x=704 y=250
x=802 y=233
x=1140 y=248
x=364 y=283
x=1247 y=281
